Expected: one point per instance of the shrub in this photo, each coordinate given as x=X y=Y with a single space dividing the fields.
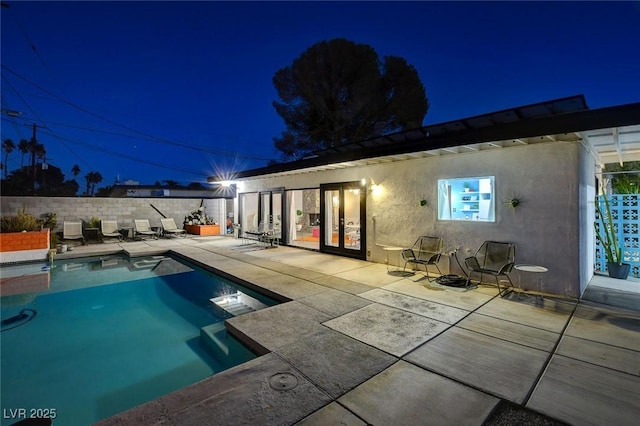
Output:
x=23 y=221
x=93 y=222
x=49 y=220
x=198 y=217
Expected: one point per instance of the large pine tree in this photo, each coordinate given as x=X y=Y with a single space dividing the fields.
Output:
x=339 y=92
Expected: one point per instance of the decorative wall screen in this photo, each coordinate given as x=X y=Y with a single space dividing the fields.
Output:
x=625 y=209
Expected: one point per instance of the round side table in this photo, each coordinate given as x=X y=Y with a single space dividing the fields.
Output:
x=534 y=269
x=389 y=250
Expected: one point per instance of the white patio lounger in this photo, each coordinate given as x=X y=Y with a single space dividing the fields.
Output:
x=170 y=229
x=143 y=229
x=109 y=229
x=72 y=231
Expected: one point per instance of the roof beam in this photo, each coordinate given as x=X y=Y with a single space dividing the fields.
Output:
x=616 y=143
x=588 y=145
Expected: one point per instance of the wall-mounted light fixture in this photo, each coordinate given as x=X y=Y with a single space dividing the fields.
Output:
x=374 y=188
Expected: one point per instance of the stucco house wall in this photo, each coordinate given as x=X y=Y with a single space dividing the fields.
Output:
x=547 y=228
x=124 y=210
x=587 y=175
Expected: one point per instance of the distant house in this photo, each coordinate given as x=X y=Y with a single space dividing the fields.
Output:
x=456 y=180
x=154 y=191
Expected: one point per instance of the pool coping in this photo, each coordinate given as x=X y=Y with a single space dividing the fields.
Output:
x=245 y=394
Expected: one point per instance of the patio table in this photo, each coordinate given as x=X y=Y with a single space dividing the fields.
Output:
x=534 y=269
x=397 y=250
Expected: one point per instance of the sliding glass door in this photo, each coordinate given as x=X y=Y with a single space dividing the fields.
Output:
x=262 y=212
x=303 y=213
x=271 y=212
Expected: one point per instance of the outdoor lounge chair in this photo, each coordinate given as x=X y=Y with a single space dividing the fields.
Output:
x=494 y=258
x=72 y=231
x=109 y=229
x=170 y=229
x=143 y=229
x=425 y=251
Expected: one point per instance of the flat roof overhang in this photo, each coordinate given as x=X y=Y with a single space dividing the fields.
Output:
x=604 y=131
x=614 y=145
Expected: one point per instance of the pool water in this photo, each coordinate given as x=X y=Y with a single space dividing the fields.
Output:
x=87 y=348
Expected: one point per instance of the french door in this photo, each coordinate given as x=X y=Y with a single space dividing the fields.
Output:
x=342 y=219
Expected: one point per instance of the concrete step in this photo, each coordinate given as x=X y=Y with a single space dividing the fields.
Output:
x=237 y=303
x=212 y=338
x=226 y=350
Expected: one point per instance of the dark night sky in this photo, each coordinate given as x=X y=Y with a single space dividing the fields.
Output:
x=150 y=91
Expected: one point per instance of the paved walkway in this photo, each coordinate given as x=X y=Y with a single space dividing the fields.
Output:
x=357 y=345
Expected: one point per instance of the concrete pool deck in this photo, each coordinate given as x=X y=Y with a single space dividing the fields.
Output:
x=356 y=345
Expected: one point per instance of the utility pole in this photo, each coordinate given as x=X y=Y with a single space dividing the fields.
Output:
x=33 y=143
x=45 y=167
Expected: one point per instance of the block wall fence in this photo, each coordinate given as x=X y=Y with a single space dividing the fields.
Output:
x=124 y=210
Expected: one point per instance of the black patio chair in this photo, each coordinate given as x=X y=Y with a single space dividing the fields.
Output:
x=425 y=251
x=493 y=258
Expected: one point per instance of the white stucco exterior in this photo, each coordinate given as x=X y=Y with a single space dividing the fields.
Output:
x=555 y=182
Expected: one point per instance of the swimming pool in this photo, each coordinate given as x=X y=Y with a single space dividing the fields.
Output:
x=95 y=337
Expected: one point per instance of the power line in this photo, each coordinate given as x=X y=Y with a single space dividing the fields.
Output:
x=47 y=130
x=102 y=150
x=31 y=44
x=38 y=117
x=131 y=129
x=132 y=158
x=107 y=132
x=9 y=113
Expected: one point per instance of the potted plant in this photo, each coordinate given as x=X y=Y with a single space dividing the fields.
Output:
x=198 y=217
x=199 y=223
x=298 y=218
x=91 y=228
x=50 y=220
x=609 y=241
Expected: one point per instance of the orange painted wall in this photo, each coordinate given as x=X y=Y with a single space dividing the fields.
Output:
x=17 y=241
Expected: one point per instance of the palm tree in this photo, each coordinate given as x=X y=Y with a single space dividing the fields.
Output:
x=33 y=146
x=97 y=178
x=87 y=179
x=7 y=147
x=92 y=179
x=23 y=146
x=40 y=152
x=75 y=170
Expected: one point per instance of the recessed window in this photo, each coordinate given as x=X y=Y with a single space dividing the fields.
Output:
x=469 y=198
